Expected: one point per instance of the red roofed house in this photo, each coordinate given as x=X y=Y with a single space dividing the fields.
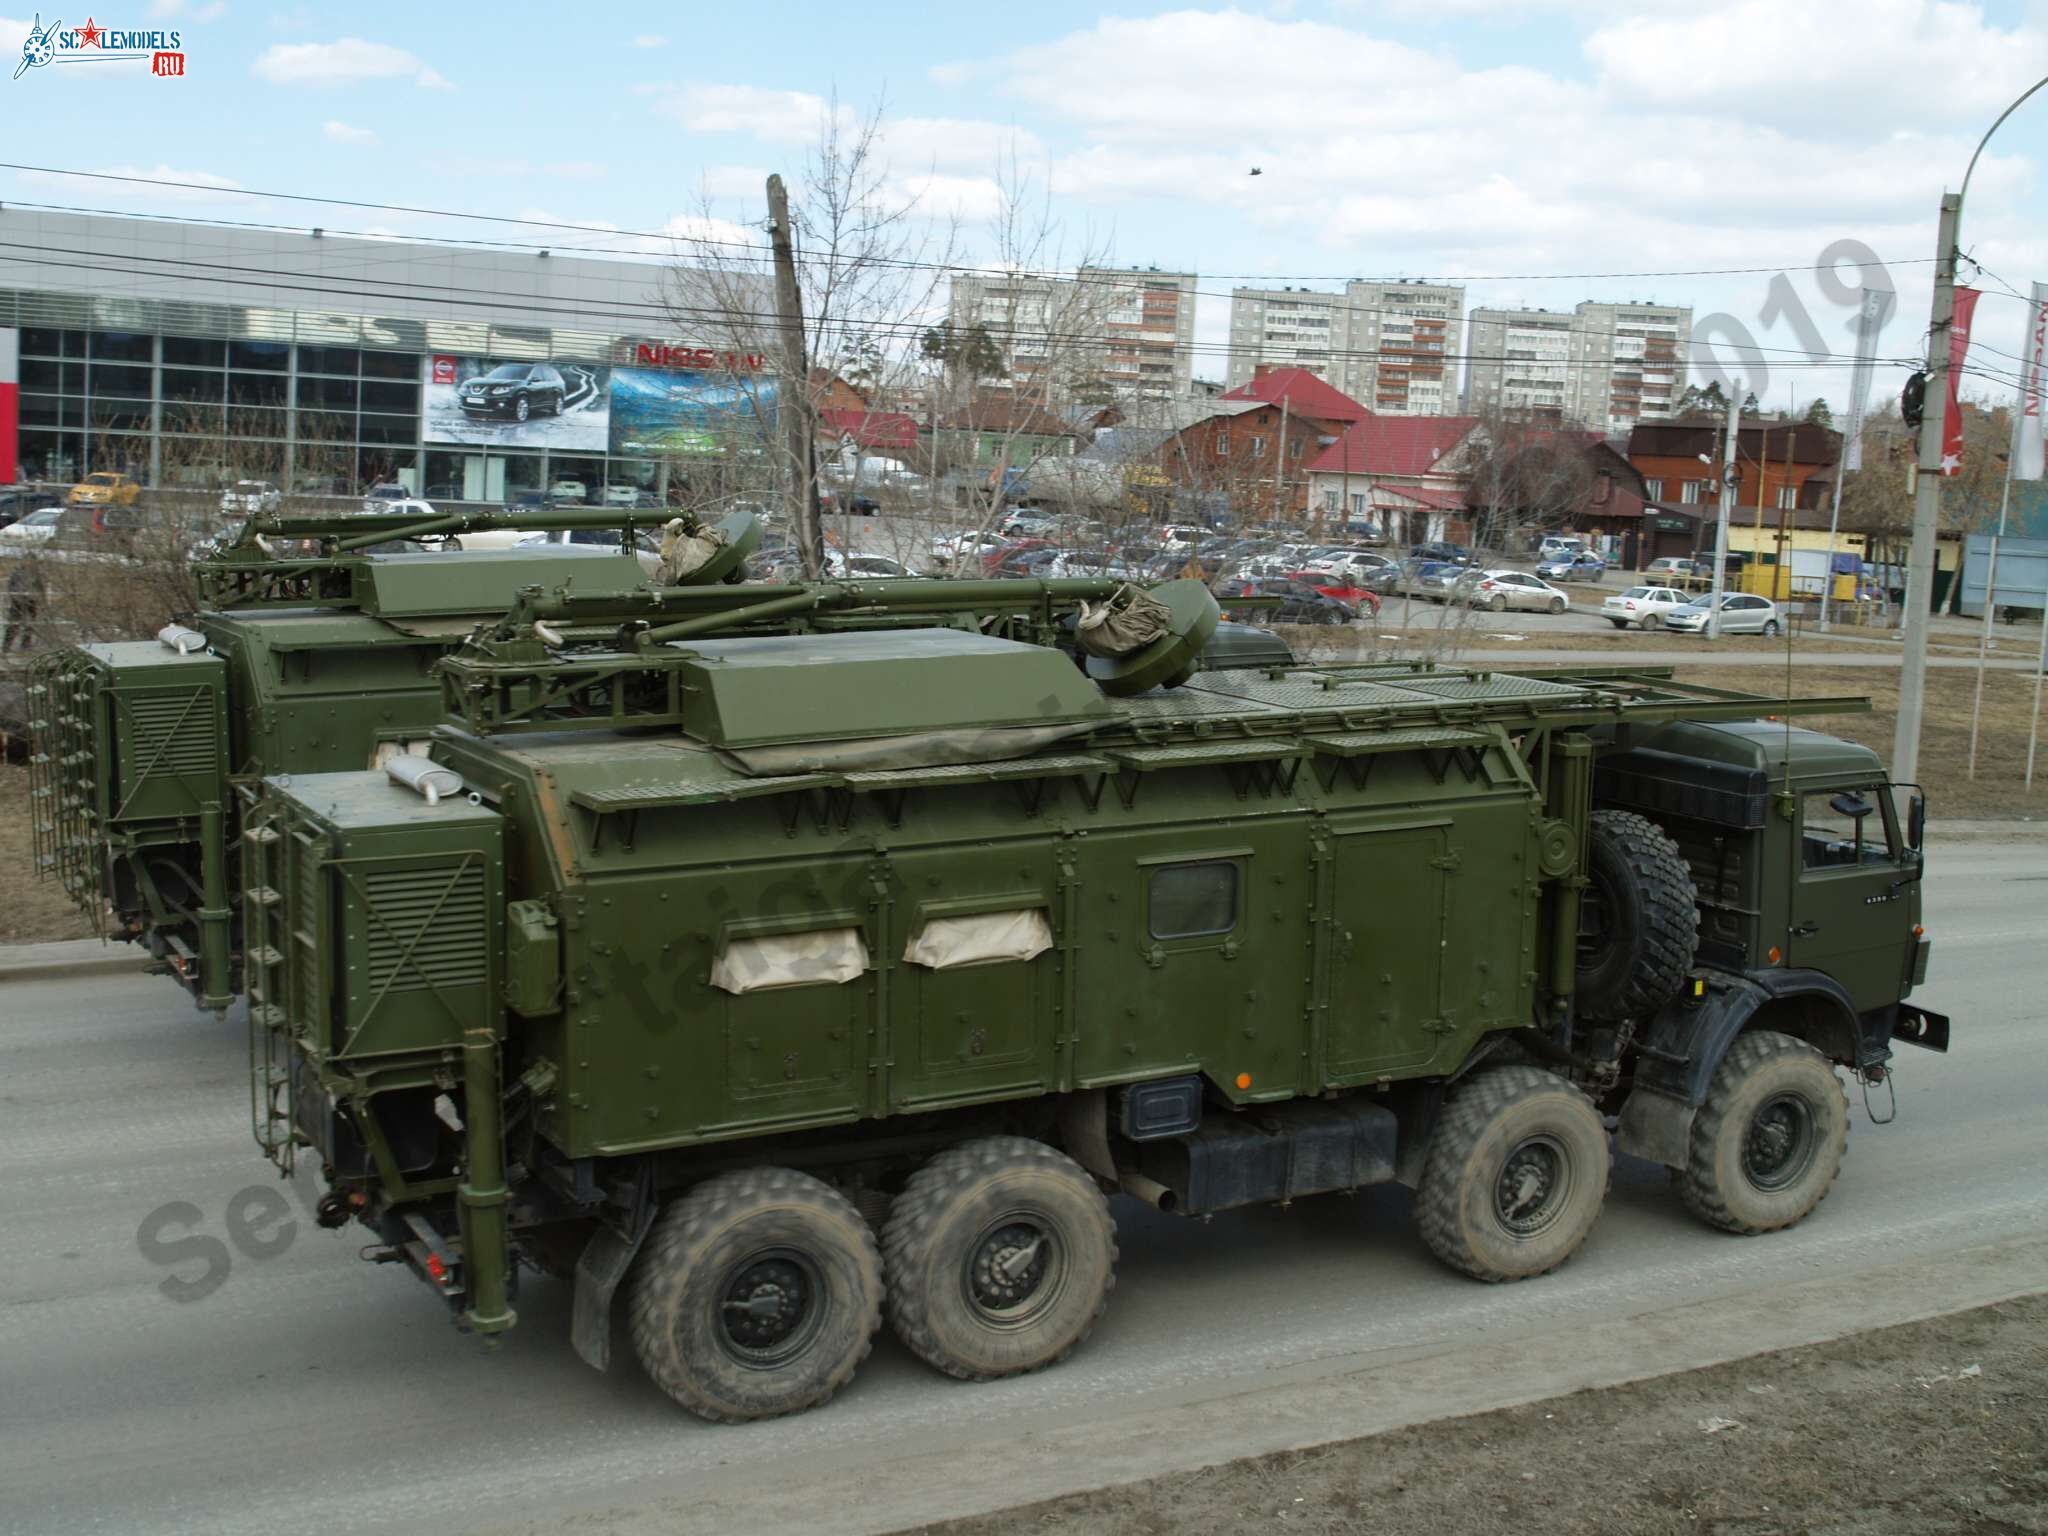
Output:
x=885 y=432
x=1400 y=476
x=1258 y=444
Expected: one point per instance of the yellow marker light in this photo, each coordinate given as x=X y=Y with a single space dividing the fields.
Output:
x=1244 y=1080
x=1699 y=986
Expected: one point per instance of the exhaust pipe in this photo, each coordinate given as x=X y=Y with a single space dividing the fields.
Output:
x=1151 y=1191
x=424 y=777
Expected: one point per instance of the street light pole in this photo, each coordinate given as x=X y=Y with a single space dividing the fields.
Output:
x=1927 y=485
x=1721 y=524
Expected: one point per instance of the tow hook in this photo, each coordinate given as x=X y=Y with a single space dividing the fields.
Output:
x=1871 y=1076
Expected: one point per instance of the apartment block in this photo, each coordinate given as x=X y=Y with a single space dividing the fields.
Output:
x=1126 y=329
x=1603 y=365
x=1388 y=345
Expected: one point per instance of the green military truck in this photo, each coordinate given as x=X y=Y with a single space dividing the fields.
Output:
x=315 y=652
x=298 y=662
x=785 y=981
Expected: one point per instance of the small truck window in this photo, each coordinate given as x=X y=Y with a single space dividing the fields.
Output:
x=1188 y=901
x=1842 y=827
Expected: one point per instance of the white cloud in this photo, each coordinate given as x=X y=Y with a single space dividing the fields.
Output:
x=906 y=144
x=650 y=40
x=774 y=117
x=174 y=10
x=335 y=131
x=723 y=181
x=343 y=62
x=152 y=184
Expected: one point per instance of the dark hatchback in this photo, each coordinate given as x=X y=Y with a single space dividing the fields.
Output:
x=517 y=390
x=1300 y=603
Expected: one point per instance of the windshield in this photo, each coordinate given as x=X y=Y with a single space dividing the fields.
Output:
x=513 y=371
x=103 y=478
x=1702 y=602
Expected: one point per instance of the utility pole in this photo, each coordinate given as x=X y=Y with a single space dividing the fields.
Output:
x=1927 y=500
x=1727 y=500
x=802 y=494
x=1280 y=460
x=1991 y=583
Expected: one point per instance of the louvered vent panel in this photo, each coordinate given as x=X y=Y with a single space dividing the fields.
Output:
x=450 y=952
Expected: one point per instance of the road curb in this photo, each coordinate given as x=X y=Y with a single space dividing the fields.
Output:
x=849 y=1493
x=68 y=959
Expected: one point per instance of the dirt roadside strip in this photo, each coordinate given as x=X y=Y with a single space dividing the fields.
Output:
x=1938 y=1426
x=849 y=1491
x=65 y=958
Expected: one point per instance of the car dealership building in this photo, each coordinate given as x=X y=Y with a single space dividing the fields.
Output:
x=187 y=353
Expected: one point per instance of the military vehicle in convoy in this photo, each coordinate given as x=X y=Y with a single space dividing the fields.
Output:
x=314 y=651
x=791 y=980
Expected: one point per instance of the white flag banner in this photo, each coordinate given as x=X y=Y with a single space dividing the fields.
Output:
x=1870 y=318
x=2027 y=442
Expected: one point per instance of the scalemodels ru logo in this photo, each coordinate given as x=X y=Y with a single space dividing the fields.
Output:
x=95 y=44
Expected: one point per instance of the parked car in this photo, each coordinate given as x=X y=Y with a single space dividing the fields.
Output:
x=17 y=501
x=1666 y=566
x=517 y=390
x=1436 y=549
x=1498 y=591
x=622 y=496
x=1742 y=613
x=246 y=498
x=568 y=488
x=104 y=489
x=1009 y=553
x=382 y=494
x=949 y=547
x=1431 y=580
x=525 y=502
x=852 y=564
x=1643 y=607
x=1582 y=565
x=33 y=529
x=1183 y=536
x=1028 y=525
x=1300 y=603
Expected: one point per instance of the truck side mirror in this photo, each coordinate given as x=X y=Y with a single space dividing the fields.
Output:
x=1916 y=820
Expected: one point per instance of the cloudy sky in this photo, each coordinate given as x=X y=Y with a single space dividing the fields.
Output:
x=1529 y=147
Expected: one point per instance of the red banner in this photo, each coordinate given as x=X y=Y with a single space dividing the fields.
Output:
x=10 y=407
x=1958 y=349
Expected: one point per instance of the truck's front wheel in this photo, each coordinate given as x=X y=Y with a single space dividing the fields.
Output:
x=1000 y=1256
x=757 y=1293
x=1515 y=1174
x=1767 y=1144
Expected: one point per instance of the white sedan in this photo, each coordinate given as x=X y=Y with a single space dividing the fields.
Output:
x=1643 y=607
x=1742 y=613
x=37 y=528
x=1498 y=591
x=950 y=547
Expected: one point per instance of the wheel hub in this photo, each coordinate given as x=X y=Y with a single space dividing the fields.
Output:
x=1008 y=1267
x=767 y=1306
x=1530 y=1190
x=1779 y=1145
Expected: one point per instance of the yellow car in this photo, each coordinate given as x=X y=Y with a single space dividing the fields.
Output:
x=105 y=489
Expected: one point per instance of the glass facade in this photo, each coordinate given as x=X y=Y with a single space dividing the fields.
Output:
x=186 y=395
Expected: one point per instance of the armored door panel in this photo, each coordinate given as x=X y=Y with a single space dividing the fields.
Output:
x=979 y=1029
x=790 y=1050
x=1387 y=952
x=1194 y=957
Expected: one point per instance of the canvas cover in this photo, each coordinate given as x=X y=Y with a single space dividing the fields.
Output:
x=1129 y=620
x=686 y=545
x=817 y=957
x=985 y=938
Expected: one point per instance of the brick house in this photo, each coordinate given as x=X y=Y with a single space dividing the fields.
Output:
x=1256 y=446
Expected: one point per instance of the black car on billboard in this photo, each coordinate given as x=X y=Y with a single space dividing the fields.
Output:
x=517 y=390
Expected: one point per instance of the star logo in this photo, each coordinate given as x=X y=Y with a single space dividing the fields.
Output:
x=89 y=35
x=1951 y=463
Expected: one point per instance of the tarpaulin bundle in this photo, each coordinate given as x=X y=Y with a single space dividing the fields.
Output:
x=1128 y=621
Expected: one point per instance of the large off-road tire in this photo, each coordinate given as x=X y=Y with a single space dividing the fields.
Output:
x=756 y=1294
x=1639 y=922
x=1768 y=1143
x=1514 y=1176
x=1000 y=1255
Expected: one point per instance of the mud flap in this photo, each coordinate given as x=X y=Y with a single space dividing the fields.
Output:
x=604 y=1262
x=1655 y=1126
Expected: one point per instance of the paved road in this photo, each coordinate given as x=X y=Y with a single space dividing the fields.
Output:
x=309 y=1390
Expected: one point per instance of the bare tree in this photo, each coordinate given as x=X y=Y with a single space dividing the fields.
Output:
x=869 y=262
x=1523 y=477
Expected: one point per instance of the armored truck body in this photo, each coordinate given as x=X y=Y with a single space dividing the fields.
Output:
x=800 y=939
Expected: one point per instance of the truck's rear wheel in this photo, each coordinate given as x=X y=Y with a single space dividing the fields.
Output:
x=1000 y=1255
x=756 y=1294
x=1515 y=1175
x=1767 y=1144
x=1638 y=919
